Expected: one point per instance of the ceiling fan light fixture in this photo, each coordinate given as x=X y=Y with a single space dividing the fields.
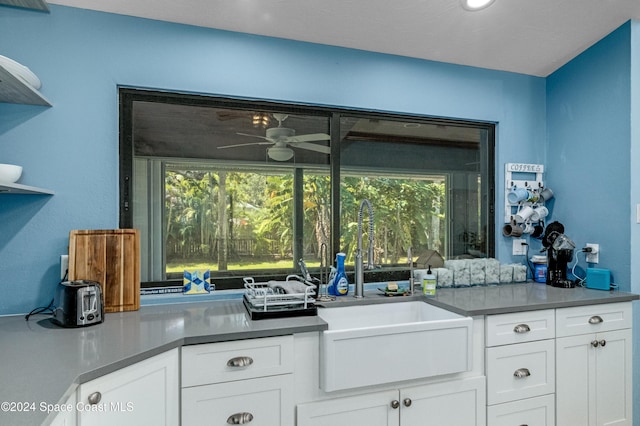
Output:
x=278 y=153
x=260 y=119
x=473 y=5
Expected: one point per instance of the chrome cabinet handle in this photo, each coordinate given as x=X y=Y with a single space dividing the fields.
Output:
x=94 y=398
x=240 y=361
x=596 y=319
x=395 y=404
x=603 y=342
x=594 y=343
x=521 y=328
x=407 y=402
x=522 y=372
x=239 y=418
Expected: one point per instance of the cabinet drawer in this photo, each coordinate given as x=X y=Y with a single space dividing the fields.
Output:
x=520 y=327
x=262 y=402
x=593 y=318
x=237 y=360
x=520 y=371
x=538 y=411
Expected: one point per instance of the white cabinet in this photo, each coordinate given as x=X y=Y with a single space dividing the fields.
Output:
x=145 y=393
x=537 y=411
x=520 y=368
x=450 y=403
x=246 y=381
x=594 y=365
x=262 y=402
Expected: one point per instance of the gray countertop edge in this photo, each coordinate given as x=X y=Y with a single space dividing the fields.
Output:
x=527 y=308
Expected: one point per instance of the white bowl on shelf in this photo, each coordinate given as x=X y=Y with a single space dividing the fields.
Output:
x=10 y=173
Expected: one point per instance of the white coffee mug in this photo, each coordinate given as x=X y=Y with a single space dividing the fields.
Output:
x=523 y=214
x=539 y=213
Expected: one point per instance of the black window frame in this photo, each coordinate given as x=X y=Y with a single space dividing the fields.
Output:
x=128 y=95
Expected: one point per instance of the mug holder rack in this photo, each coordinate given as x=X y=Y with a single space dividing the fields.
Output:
x=527 y=176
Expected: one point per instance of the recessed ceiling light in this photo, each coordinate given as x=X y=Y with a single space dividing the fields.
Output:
x=476 y=4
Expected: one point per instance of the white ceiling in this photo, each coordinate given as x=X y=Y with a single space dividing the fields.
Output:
x=533 y=37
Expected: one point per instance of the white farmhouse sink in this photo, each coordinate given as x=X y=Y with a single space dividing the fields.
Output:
x=391 y=342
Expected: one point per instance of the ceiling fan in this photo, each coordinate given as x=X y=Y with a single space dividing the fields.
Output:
x=282 y=138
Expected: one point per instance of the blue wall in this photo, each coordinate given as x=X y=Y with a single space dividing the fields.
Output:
x=82 y=56
x=588 y=124
x=593 y=156
x=635 y=200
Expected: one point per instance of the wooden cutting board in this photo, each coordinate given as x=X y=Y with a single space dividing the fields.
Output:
x=111 y=257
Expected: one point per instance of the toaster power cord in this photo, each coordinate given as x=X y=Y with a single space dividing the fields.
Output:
x=48 y=310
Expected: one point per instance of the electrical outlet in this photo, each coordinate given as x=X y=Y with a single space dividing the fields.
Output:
x=64 y=266
x=519 y=247
x=594 y=256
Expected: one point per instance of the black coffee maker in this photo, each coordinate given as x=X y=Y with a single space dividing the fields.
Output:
x=559 y=253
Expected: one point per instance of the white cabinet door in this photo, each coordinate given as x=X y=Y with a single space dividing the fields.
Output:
x=520 y=371
x=265 y=401
x=453 y=403
x=594 y=379
x=373 y=409
x=145 y=393
x=538 y=411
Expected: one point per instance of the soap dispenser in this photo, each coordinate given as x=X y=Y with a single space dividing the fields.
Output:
x=429 y=283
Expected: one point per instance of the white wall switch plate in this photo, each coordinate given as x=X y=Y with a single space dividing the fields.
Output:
x=519 y=247
x=64 y=266
x=637 y=213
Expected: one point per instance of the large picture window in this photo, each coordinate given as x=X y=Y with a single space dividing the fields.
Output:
x=248 y=188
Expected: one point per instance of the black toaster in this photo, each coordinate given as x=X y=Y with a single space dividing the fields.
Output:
x=78 y=304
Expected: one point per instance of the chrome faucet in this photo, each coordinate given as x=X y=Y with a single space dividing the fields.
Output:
x=410 y=260
x=359 y=287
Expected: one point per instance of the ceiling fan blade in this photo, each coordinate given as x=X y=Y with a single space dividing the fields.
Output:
x=245 y=144
x=254 y=136
x=308 y=138
x=313 y=147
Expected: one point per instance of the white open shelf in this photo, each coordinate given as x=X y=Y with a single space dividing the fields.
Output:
x=14 y=90
x=27 y=4
x=16 y=188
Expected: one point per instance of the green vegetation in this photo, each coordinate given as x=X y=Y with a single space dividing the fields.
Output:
x=235 y=220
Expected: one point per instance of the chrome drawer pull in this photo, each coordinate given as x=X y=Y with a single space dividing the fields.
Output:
x=240 y=361
x=522 y=372
x=594 y=343
x=239 y=418
x=603 y=342
x=395 y=404
x=407 y=402
x=596 y=319
x=521 y=328
x=94 y=398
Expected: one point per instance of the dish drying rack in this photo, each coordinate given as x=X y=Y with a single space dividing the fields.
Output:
x=279 y=299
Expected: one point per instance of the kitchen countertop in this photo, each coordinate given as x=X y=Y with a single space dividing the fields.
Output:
x=496 y=299
x=531 y=296
x=43 y=363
